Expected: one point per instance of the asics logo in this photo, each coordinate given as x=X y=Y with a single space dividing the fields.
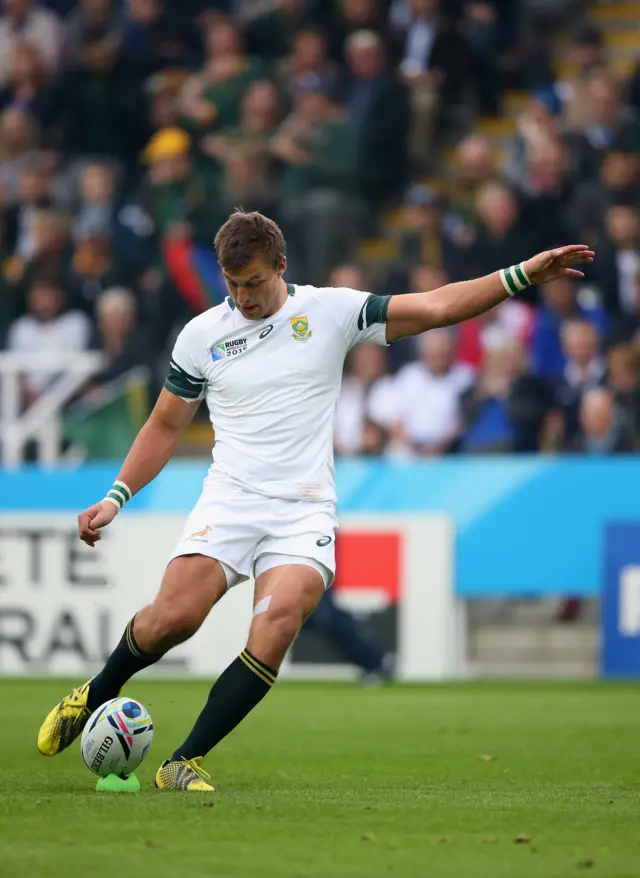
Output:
x=265 y=332
x=323 y=541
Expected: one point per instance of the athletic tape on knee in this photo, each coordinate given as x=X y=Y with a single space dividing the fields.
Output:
x=262 y=606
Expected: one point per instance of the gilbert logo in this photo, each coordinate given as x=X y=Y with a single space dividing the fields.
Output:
x=300 y=326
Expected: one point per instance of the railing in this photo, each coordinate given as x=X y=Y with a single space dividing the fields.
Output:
x=40 y=422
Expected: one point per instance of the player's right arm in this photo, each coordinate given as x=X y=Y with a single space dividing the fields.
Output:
x=152 y=448
x=155 y=443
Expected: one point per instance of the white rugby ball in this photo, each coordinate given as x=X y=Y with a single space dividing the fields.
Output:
x=117 y=737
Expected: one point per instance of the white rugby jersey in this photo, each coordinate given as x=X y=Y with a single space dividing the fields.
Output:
x=272 y=385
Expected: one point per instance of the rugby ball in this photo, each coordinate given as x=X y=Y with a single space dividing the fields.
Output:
x=117 y=737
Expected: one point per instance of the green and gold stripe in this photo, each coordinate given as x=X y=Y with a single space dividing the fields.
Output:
x=265 y=673
x=133 y=646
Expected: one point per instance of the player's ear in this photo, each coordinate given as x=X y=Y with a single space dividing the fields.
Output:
x=282 y=267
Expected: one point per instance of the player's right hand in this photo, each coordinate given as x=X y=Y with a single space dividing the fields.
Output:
x=92 y=519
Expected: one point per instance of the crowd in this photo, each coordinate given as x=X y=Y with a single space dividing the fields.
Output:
x=129 y=129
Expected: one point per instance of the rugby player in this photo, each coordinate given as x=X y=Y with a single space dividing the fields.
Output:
x=268 y=361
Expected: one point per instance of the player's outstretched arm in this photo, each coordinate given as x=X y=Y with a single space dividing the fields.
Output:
x=414 y=313
x=151 y=450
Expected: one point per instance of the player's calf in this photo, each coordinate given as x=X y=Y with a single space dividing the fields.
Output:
x=284 y=597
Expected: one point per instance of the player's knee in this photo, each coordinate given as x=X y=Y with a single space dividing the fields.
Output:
x=173 y=625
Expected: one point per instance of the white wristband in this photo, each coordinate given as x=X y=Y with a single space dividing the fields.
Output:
x=514 y=279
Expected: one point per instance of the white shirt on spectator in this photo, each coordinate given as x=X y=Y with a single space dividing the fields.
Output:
x=419 y=42
x=357 y=404
x=427 y=405
x=68 y=332
x=43 y=29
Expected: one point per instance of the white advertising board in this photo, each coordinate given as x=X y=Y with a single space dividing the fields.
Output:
x=63 y=606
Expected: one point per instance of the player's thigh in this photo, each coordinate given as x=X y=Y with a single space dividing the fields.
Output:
x=284 y=597
x=225 y=526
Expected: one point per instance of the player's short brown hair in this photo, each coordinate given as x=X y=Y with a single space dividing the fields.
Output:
x=247 y=236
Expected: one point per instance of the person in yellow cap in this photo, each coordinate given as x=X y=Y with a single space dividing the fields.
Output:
x=182 y=190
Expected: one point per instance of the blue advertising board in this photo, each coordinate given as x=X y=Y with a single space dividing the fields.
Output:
x=525 y=526
x=620 y=605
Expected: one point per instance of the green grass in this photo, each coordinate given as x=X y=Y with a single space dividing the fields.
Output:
x=331 y=780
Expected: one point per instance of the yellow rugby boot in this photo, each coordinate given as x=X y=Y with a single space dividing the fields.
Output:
x=184 y=774
x=65 y=722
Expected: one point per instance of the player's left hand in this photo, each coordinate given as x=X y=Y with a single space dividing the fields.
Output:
x=552 y=264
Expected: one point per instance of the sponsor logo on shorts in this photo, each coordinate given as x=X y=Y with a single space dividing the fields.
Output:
x=265 y=332
x=199 y=533
x=300 y=326
x=323 y=541
x=227 y=349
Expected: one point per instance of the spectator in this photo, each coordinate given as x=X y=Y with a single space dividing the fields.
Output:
x=35 y=193
x=124 y=343
x=24 y=22
x=587 y=57
x=366 y=406
x=473 y=168
x=603 y=425
x=434 y=66
x=18 y=142
x=488 y=424
x=94 y=103
x=559 y=304
x=351 y=16
x=618 y=180
x=26 y=86
x=585 y=368
x=46 y=328
x=91 y=17
x=93 y=267
x=377 y=104
x=309 y=57
x=154 y=37
x=259 y=116
x=317 y=147
x=423 y=237
x=548 y=188
x=428 y=392
x=272 y=28
x=48 y=258
x=624 y=383
x=348 y=276
x=179 y=190
x=619 y=262
x=536 y=126
x=608 y=121
x=211 y=99
x=503 y=328
x=502 y=235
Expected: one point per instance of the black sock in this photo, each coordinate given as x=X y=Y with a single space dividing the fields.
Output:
x=125 y=661
x=234 y=694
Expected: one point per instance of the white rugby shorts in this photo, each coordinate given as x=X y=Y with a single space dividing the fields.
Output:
x=249 y=533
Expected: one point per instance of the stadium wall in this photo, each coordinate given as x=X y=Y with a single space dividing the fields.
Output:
x=417 y=541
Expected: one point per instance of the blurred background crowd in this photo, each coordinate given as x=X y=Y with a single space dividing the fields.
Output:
x=401 y=144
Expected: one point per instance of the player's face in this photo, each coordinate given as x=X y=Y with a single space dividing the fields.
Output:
x=256 y=289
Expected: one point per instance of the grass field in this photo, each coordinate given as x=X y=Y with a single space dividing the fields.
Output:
x=464 y=781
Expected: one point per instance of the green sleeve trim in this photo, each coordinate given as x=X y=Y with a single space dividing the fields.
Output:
x=182 y=384
x=373 y=311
